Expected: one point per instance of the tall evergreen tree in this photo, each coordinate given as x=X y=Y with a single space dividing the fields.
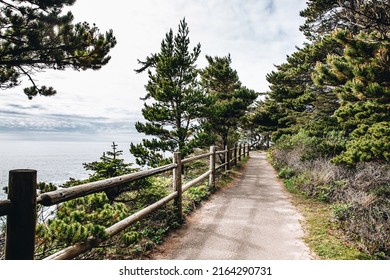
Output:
x=301 y=103
x=175 y=99
x=361 y=79
x=228 y=100
x=35 y=35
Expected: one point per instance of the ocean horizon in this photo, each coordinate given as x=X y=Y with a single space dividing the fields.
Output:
x=55 y=160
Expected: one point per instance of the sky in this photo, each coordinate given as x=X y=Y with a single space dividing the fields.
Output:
x=105 y=104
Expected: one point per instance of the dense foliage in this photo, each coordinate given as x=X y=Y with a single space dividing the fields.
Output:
x=78 y=219
x=360 y=77
x=36 y=35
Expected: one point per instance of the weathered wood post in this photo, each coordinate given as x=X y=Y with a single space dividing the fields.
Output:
x=21 y=221
x=248 y=150
x=243 y=152
x=212 y=168
x=177 y=186
x=239 y=151
x=235 y=154
x=227 y=158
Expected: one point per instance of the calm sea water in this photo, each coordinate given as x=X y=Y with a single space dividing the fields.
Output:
x=55 y=161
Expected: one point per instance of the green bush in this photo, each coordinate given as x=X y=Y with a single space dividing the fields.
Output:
x=291 y=186
x=342 y=211
x=286 y=172
x=308 y=147
x=193 y=196
x=131 y=237
x=324 y=193
x=368 y=143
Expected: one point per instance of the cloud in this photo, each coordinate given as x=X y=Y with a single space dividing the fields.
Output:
x=19 y=122
x=31 y=106
x=270 y=6
x=257 y=34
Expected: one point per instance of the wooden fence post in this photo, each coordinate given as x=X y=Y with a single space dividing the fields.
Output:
x=248 y=150
x=212 y=168
x=227 y=158
x=235 y=154
x=239 y=152
x=21 y=221
x=177 y=185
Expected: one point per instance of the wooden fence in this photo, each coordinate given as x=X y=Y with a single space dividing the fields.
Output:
x=20 y=207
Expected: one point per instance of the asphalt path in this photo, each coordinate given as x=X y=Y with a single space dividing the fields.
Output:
x=253 y=219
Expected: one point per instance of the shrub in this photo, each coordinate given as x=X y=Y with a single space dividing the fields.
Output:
x=131 y=237
x=193 y=197
x=368 y=143
x=76 y=220
x=342 y=211
x=368 y=221
x=360 y=196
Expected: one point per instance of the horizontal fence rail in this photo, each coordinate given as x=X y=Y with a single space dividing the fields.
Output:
x=58 y=196
x=196 y=181
x=191 y=159
x=20 y=207
x=5 y=207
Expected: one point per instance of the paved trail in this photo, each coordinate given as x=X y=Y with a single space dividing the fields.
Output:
x=252 y=219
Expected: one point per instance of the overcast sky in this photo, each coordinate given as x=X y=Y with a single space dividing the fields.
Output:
x=257 y=33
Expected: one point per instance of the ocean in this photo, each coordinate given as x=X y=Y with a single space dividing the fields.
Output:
x=55 y=161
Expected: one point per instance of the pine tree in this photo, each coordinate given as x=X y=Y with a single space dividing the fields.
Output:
x=174 y=99
x=228 y=100
x=35 y=35
x=361 y=79
x=301 y=104
x=110 y=165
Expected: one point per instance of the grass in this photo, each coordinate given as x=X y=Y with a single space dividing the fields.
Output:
x=322 y=235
